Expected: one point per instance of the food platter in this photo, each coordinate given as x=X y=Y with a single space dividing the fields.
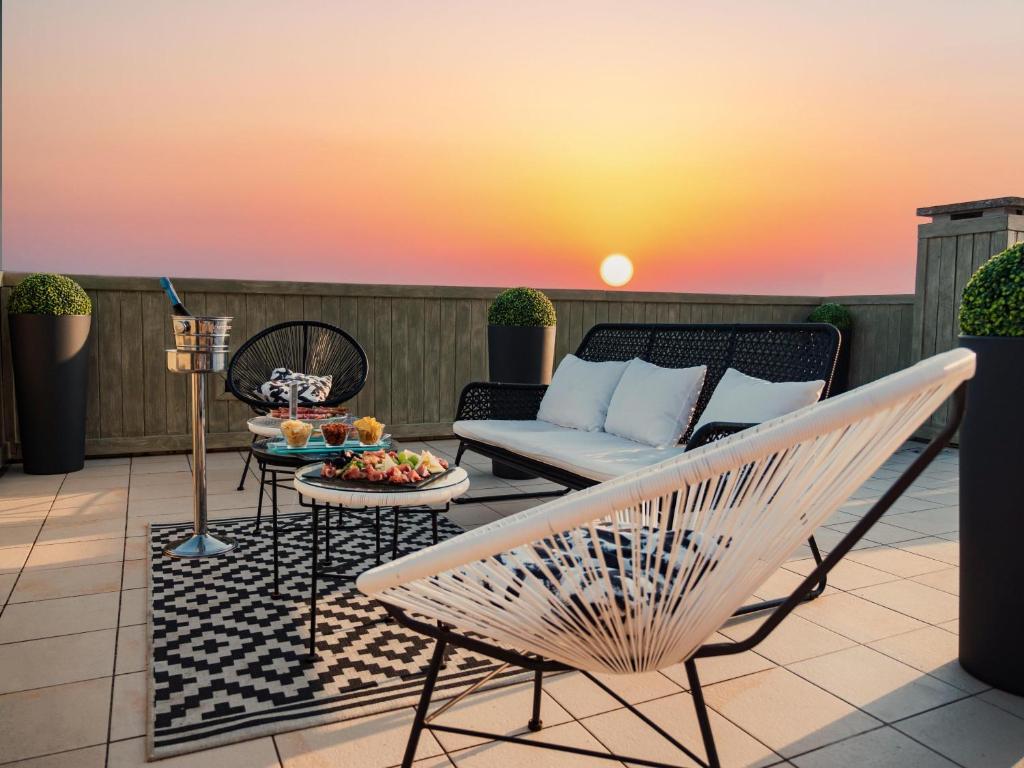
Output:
x=382 y=469
x=312 y=477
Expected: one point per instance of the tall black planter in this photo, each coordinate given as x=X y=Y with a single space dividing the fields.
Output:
x=992 y=515
x=519 y=355
x=51 y=369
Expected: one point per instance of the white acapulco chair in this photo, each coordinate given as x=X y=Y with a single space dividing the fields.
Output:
x=636 y=573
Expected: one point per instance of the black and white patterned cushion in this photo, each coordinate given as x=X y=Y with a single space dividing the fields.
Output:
x=312 y=389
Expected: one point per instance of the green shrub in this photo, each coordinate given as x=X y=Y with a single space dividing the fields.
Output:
x=44 y=294
x=993 y=301
x=833 y=313
x=521 y=306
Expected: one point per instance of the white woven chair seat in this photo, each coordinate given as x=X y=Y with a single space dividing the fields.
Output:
x=635 y=573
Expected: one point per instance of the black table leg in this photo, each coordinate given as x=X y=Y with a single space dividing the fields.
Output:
x=273 y=519
x=433 y=523
x=259 y=504
x=327 y=534
x=394 y=533
x=313 y=590
x=376 y=530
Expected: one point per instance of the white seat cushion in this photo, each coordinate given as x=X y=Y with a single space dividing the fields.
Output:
x=654 y=405
x=745 y=399
x=595 y=455
x=579 y=393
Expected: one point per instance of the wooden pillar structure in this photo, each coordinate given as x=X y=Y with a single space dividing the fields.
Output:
x=950 y=247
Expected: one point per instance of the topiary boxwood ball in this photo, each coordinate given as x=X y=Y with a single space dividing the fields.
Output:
x=833 y=313
x=45 y=294
x=521 y=306
x=993 y=301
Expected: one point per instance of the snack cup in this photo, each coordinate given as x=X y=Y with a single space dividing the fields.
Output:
x=372 y=435
x=296 y=433
x=334 y=433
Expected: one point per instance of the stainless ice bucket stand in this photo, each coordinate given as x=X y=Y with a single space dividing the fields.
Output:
x=201 y=348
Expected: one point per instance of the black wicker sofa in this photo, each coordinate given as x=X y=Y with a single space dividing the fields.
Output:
x=774 y=352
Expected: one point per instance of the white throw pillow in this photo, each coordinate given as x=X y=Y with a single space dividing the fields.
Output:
x=744 y=399
x=654 y=405
x=579 y=393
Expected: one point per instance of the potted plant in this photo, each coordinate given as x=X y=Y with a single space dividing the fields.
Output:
x=839 y=316
x=520 y=345
x=50 y=317
x=991 y=463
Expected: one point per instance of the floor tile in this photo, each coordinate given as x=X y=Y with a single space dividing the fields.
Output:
x=970 y=732
x=847 y=574
x=1012 y=704
x=581 y=697
x=135 y=575
x=377 y=741
x=880 y=532
x=937 y=548
x=67 y=515
x=877 y=684
x=64 y=616
x=144 y=465
x=858 y=619
x=18 y=535
x=896 y=561
x=75 y=715
x=56 y=660
x=13 y=558
x=881 y=748
x=792 y=640
x=623 y=733
x=89 y=757
x=75 y=553
x=785 y=712
x=928 y=521
x=67 y=582
x=134 y=607
x=258 y=753
x=6 y=586
x=946 y=581
x=501 y=710
x=91 y=499
x=57 y=532
x=498 y=754
x=128 y=714
x=136 y=547
x=132 y=649
x=913 y=599
x=934 y=651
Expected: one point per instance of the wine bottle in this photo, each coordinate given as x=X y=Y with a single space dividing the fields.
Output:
x=176 y=306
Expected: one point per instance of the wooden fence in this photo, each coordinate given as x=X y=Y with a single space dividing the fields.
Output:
x=423 y=342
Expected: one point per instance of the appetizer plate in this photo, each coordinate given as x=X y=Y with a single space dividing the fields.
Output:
x=313 y=477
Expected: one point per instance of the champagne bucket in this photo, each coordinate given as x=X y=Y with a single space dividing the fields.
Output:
x=201 y=334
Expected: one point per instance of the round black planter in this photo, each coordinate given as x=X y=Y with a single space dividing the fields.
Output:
x=51 y=369
x=519 y=355
x=992 y=515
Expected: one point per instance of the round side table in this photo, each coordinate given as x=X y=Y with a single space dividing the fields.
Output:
x=431 y=499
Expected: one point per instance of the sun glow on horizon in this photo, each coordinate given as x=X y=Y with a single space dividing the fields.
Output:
x=616 y=270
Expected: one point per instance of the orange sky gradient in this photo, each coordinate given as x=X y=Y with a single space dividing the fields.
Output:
x=748 y=147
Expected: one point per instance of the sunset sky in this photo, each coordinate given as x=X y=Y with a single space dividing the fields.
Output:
x=755 y=147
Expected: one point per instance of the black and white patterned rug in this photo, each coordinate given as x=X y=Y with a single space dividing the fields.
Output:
x=228 y=660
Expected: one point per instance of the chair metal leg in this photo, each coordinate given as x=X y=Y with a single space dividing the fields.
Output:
x=245 y=469
x=313 y=584
x=776 y=602
x=327 y=534
x=424 y=705
x=394 y=533
x=536 y=723
x=702 y=714
x=259 y=503
x=376 y=530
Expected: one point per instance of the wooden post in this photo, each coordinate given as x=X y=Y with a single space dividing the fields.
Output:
x=957 y=240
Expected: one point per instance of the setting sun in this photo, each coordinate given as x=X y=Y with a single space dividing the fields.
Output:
x=616 y=270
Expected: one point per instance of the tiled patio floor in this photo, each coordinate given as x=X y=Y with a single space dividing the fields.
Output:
x=864 y=676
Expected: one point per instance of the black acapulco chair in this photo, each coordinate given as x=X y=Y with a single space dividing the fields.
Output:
x=304 y=346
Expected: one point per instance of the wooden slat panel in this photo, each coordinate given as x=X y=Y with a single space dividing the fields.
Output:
x=431 y=335
x=366 y=403
x=154 y=362
x=382 y=337
x=107 y=316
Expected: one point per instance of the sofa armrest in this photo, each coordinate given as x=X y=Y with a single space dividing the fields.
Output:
x=496 y=400
x=715 y=430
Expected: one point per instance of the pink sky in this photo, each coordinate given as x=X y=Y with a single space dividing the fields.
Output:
x=747 y=147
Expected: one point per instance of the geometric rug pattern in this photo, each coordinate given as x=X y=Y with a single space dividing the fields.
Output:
x=229 y=660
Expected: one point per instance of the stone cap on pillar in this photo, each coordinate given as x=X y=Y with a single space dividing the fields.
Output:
x=974 y=209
